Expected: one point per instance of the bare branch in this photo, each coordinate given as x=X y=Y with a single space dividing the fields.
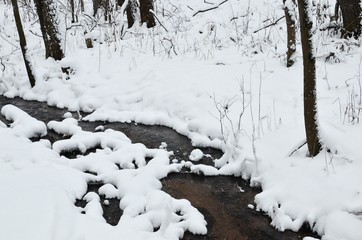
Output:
x=209 y=9
x=269 y=25
x=158 y=20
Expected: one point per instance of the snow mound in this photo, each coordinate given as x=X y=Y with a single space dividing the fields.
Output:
x=196 y=155
x=42 y=187
x=22 y=123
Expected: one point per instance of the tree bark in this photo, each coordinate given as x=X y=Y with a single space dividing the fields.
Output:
x=22 y=40
x=107 y=16
x=72 y=9
x=146 y=6
x=131 y=11
x=336 y=10
x=81 y=5
x=291 y=41
x=310 y=95
x=49 y=28
x=96 y=6
x=351 y=15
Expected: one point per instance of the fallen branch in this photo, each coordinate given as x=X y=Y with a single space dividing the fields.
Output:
x=209 y=9
x=272 y=24
x=295 y=150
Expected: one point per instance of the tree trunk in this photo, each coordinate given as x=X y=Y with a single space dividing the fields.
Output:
x=336 y=11
x=96 y=6
x=72 y=9
x=22 y=39
x=106 y=10
x=131 y=10
x=49 y=28
x=290 y=31
x=81 y=5
x=351 y=15
x=310 y=95
x=146 y=6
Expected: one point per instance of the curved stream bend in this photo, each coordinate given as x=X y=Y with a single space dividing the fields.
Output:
x=227 y=209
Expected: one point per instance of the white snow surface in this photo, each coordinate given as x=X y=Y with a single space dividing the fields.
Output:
x=22 y=123
x=217 y=68
x=196 y=155
x=39 y=188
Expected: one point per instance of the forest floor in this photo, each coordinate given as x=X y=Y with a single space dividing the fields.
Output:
x=218 y=78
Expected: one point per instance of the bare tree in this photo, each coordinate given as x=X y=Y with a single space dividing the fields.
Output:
x=49 y=22
x=105 y=5
x=146 y=9
x=23 y=44
x=132 y=12
x=310 y=95
x=81 y=3
x=336 y=10
x=107 y=10
x=290 y=20
x=96 y=6
x=351 y=15
x=72 y=9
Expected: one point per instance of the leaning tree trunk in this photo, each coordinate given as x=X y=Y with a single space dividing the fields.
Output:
x=22 y=39
x=290 y=20
x=310 y=95
x=49 y=27
x=351 y=15
x=146 y=8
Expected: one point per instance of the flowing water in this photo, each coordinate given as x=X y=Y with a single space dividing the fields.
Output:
x=226 y=202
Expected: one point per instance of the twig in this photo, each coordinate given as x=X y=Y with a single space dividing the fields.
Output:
x=2 y=64
x=73 y=25
x=208 y=2
x=209 y=9
x=172 y=45
x=34 y=33
x=234 y=18
x=295 y=150
x=158 y=20
x=269 y=25
x=6 y=40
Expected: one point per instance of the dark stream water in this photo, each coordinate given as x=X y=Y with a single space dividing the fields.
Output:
x=219 y=198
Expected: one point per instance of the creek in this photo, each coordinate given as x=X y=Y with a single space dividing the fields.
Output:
x=226 y=202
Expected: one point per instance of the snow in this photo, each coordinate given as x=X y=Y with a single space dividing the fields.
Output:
x=196 y=155
x=22 y=123
x=34 y=178
x=221 y=86
x=251 y=206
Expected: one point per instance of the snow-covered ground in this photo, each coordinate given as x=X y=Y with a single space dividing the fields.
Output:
x=209 y=77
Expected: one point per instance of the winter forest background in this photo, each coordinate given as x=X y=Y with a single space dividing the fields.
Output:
x=275 y=84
